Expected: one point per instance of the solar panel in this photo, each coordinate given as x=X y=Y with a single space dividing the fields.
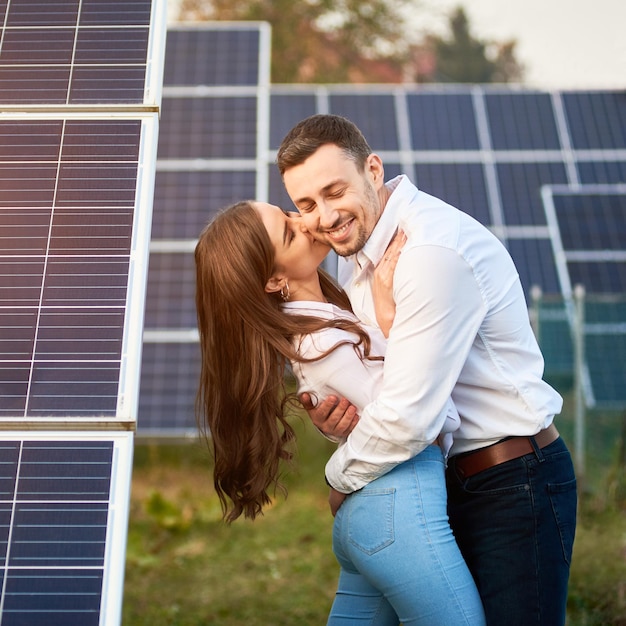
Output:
x=488 y=150
x=588 y=229
x=66 y=52
x=80 y=86
x=442 y=120
x=63 y=515
x=374 y=114
x=65 y=259
x=522 y=121
x=596 y=120
x=212 y=148
x=228 y=56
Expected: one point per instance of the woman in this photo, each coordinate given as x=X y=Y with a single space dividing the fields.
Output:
x=262 y=301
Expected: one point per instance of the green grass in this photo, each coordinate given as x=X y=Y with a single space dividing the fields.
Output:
x=185 y=567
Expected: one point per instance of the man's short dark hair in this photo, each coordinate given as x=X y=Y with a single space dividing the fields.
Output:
x=313 y=132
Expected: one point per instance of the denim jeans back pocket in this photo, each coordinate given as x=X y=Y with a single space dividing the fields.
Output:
x=370 y=522
x=563 y=497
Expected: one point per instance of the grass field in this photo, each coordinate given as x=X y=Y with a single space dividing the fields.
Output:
x=186 y=568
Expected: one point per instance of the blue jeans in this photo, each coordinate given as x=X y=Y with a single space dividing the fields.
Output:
x=515 y=525
x=399 y=560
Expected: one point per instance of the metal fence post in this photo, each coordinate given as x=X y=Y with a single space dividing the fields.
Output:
x=579 y=377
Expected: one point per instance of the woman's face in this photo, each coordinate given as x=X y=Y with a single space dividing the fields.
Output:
x=298 y=254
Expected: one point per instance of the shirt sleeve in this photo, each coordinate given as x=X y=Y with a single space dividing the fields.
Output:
x=342 y=372
x=439 y=309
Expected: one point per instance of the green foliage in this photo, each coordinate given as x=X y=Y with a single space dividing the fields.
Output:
x=597 y=590
x=461 y=58
x=186 y=567
x=317 y=40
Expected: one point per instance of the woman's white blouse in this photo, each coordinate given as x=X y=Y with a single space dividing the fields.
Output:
x=344 y=372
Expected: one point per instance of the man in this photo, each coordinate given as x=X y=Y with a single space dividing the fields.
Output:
x=461 y=328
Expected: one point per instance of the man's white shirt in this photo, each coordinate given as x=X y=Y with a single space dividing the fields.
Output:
x=461 y=329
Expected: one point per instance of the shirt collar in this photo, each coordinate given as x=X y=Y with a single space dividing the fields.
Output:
x=387 y=225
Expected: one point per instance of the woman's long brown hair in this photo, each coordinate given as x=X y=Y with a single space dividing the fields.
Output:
x=245 y=342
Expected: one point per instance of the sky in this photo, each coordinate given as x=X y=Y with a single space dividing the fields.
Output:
x=563 y=44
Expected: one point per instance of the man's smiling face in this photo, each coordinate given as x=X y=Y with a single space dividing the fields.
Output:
x=339 y=204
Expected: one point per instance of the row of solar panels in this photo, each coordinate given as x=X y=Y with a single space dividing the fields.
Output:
x=80 y=87
x=505 y=155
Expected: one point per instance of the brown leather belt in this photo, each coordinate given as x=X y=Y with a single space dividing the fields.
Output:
x=471 y=463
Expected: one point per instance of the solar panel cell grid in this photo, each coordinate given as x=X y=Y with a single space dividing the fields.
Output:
x=64 y=260
x=592 y=222
x=170 y=298
x=58 y=501
x=521 y=122
x=185 y=201
x=596 y=120
x=375 y=115
x=602 y=172
x=216 y=57
x=208 y=128
x=69 y=52
x=459 y=184
x=443 y=121
x=605 y=277
x=169 y=382
x=41 y=12
x=286 y=111
x=520 y=189
x=535 y=264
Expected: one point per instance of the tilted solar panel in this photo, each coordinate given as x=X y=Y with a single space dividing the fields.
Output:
x=588 y=229
x=65 y=255
x=71 y=52
x=80 y=85
x=63 y=516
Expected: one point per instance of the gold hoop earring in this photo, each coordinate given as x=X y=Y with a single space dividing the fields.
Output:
x=284 y=292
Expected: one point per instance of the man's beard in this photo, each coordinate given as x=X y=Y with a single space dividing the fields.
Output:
x=354 y=246
x=371 y=206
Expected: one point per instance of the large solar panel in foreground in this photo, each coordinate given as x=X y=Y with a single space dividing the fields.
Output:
x=69 y=52
x=74 y=194
x=80 y=85
x=63 y=516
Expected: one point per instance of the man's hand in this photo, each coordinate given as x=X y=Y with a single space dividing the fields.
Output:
x=335 y=500
x=332 y=416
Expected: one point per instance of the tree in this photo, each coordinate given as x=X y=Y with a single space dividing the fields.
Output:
x=322 y=40
x=362 y=41
x=462 y=58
